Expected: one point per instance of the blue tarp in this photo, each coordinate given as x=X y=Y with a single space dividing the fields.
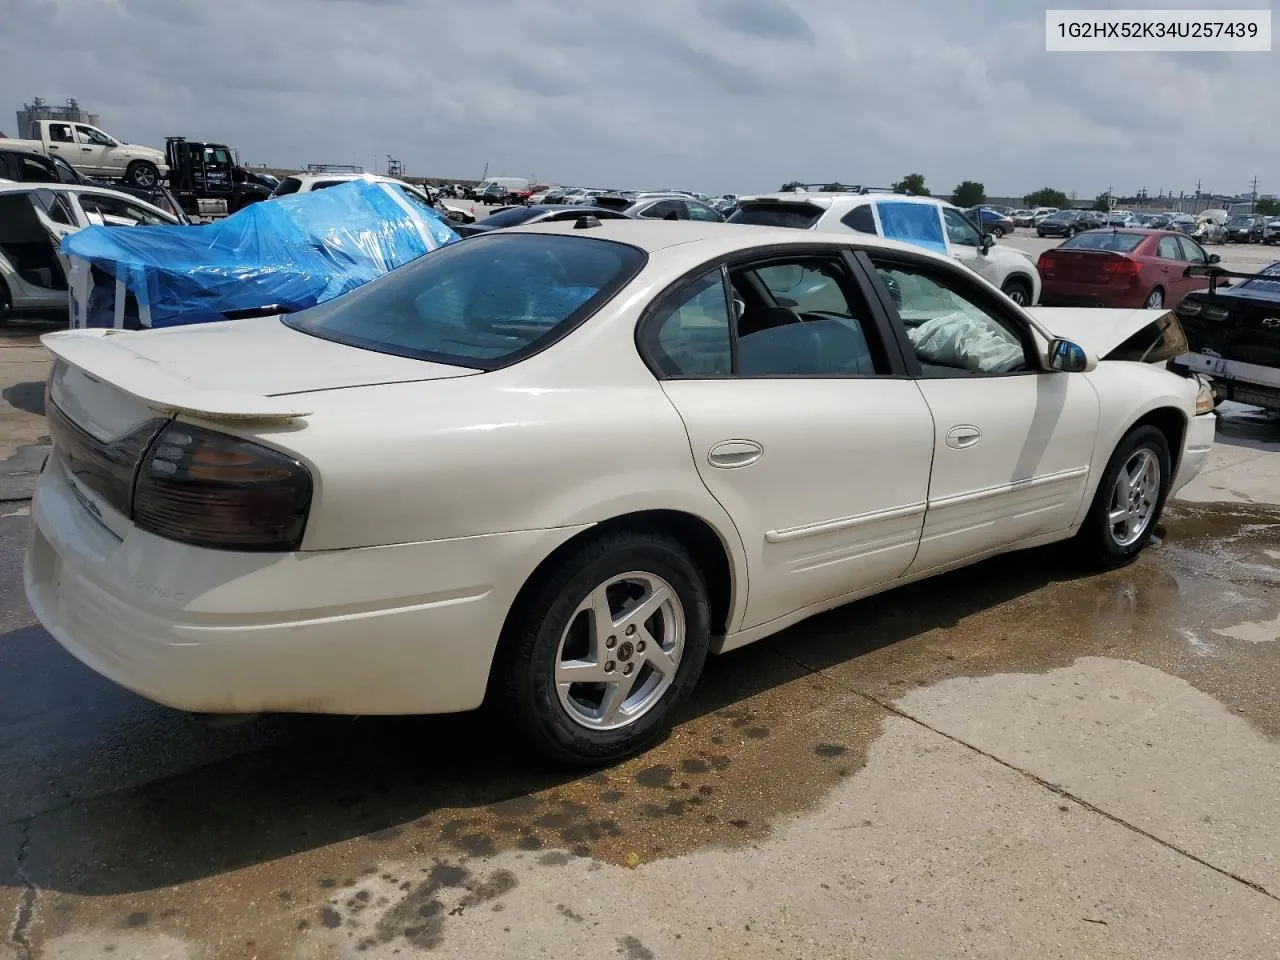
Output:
x=914 y=223
x=292 y=253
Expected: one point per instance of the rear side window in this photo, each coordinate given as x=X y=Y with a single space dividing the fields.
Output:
x=861 y=219
x=1168 y=249
x=801 y=216
x=288 y=185
x=482 y=304
x=1119 y=242
x=915 y=223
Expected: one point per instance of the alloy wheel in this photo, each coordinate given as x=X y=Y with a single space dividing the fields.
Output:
x=620 y=651
x=1134 y=498
x=1155 y=301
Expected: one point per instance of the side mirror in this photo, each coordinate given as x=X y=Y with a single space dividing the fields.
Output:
x=988 y=241
x=1068 y=357
x=1214 y=258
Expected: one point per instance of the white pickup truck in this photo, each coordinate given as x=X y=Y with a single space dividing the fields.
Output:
x=93 y=152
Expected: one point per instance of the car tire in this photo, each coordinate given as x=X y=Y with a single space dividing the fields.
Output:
x=1017 y=290
x=998 y=232
x=1106 y=539
x=551 y=626
x=1040 y=233
x=1154 y=301
x=142 y=173
x=6 y=304
x=1070 y=232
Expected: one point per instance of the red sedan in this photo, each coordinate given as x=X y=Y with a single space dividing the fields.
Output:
x=1121 y=268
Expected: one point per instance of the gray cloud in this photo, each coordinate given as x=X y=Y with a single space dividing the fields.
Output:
x=721 y=95
x=761 y=18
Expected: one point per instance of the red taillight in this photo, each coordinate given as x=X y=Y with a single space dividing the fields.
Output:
x=1124 y=268
x=214 y=490
x=1046 y=259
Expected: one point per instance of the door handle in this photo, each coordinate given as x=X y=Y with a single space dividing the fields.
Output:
x=86 y=149
x=731 y=454
x=965 y=435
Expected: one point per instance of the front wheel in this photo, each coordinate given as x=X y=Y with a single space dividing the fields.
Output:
x=1018 y=292
x=597 y=658
x=1071 y=232
x=142 y=174
x=998 y=233
x=1129 y=500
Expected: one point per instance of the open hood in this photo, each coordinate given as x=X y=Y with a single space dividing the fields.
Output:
x=1151 y=336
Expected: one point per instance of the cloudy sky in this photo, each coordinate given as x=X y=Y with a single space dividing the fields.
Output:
x=713 y=95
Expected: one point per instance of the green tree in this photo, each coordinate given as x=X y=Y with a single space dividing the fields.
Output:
x=1103 y=202
x=1267 y=208
x=1047 y=197
x=969 y=193
x=912 y=183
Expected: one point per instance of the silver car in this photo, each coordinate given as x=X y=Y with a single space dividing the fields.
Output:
x=661 y=206
x=1271 y=232
x=34 y=218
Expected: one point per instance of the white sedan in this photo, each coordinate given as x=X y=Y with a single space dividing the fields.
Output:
x=558 y=465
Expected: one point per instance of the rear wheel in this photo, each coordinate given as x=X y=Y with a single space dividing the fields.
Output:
x=998 y=232
x=1129 y=500
x=599 y=656
x=1155 y=299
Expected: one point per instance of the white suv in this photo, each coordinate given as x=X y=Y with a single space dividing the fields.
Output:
x=922 y=221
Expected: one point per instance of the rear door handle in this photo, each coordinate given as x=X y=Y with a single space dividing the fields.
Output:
x=965 y=435
x=731 y=454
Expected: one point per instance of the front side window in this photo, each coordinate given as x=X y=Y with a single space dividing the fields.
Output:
x=288 y=185
x=484 y=303
x=1192 y=252
x=959 y=228
x=700 y=211
x=109 y=206
x=92 y=136
x=65 y=172
x=951 y=332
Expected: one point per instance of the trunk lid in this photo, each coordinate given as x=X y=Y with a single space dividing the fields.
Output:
x=241 y=369
x=1080 y=266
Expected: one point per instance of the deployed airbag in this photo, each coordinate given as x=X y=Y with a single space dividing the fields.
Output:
x=281 y=255
x=959 y=341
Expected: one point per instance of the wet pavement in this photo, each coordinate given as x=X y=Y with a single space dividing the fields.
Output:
x=1013 y=739
x=1019 y=759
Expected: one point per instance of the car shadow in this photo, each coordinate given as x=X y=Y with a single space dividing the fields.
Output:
x=318 y=781
x=27 y=396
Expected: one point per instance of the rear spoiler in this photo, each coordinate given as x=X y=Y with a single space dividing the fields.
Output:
x=1216 y=273
x=99 y=354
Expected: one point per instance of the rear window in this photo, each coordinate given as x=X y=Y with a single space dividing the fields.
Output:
x=511 y=217
x=483 y=304
x=1119 y=242
x=288 y=185
x=801 y=216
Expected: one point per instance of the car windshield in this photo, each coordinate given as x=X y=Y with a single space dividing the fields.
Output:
x=512 y=217
x=1119 y=242
x=802 y=216
x=1240 y=222
x=482 y=303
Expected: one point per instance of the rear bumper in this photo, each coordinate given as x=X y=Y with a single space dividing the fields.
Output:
x=408 y=628
x=1056 y=293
